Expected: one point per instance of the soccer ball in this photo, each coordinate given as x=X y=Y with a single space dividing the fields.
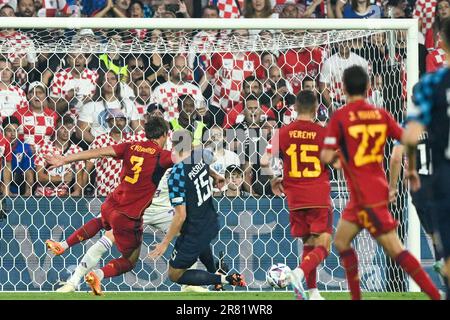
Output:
x=277 y=275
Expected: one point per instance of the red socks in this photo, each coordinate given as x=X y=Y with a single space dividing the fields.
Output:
x=87 y=231
x=349 y=261
x=410 y=264
x=117 y=267
x=311 y=258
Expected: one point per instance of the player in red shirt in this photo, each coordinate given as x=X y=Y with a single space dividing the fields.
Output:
x=144 y=164
x=299 y=145
x=359 y=130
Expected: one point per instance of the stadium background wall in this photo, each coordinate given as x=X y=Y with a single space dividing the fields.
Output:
x=254 y=234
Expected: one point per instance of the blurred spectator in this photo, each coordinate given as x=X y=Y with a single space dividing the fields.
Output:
x=227 y=72
x=359 y=9
x=259 y=9
x=218 y=145
x=280 y=98
x=291 y=11
x=117 y=8
x=26 y=8
x=12 y=97
x=436 y=58
x=376 y=90
x=57 y=182
x=330 y=85
x=253 y=86
x=268 y=59
x=112 y=59
x=92 y=118
x=398 y=9
x=5 y=164
x=298 y=9
x=73 y=86
x=177 y=84
x=190 y=114
x=108 y=169
x=139 y=68
x=441 y=12
x=210 y=12
x=22 y=51
x=298 y=63
x=234 y=179
x=143 y=92
x=53 y=8
x=37 y=121
x=19 y=173
x=373 y=49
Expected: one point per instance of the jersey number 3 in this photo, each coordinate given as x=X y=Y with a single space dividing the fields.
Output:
x=137 y=168
x=368 y=133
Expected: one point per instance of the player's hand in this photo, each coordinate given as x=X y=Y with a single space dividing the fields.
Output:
x=54 y=161
x=277 y=186
x=159 y=250
x=393 y=195
x=219 y=182
x=414 y=180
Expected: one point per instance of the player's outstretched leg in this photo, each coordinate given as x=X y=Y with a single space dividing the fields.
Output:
x=345 y=233
x=87 y=231
x=206 y=257
x=90 y=260
x=394 y=248
x=202 y=278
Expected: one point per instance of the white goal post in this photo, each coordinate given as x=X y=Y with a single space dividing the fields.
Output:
x=410 y=26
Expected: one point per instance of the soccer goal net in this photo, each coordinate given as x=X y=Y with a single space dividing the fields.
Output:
x=232 y=82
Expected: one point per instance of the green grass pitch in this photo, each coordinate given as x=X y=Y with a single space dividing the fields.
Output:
x=201 y=296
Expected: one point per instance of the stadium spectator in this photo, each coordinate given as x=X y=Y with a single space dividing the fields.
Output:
x=37 y=121
x=375 y=95
x=53 y=8
x=330 y=85
x=143 y=92
x=210 y=12
x=19 y=172
x=26 y=8
x=278 y=97
x=12 y=97
x=177 y=84
x=190 y=114
x=253 y=86
x=226 y=74
x=58 y=182
x=234 y=178
x=113 y=60
x=5 y=164
x=74 y=85
x=298 y=63
x=259 y=9
x=108 y=169
x=357 y=9
x=291 y=11
x=218 y=145
x=432 y=26
x=108 y=95
x=112 y=8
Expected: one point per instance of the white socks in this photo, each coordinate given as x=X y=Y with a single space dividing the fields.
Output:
x=90 y=260
x=64 y=245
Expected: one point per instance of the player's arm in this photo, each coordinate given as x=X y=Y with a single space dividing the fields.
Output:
x=395 y=165
x=55 y=161
x=7 y=178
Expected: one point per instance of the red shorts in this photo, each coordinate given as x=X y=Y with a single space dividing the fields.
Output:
x=310 y=221
x=128 y=233
x=376 y=220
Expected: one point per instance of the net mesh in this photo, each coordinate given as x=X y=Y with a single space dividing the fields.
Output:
x=88 y=73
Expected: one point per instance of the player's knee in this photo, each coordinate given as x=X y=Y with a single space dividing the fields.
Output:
x=174 y=275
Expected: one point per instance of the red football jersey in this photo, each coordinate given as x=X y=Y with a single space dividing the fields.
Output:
x=306 y=180
x=144 y=164
x=360 y=131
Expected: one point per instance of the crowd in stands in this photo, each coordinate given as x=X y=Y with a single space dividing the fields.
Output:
x=65 y=102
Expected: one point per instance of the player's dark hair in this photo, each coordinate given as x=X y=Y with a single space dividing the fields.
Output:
x=445 y=32
x=306 y=79
x=156 y=127
x=355 y=80
x=10 y=120
x=306 y=102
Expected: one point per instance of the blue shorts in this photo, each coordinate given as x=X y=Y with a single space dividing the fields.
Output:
x=441 y=208
x=189 y=247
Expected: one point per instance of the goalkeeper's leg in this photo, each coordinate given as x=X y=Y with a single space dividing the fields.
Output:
x=89 y=261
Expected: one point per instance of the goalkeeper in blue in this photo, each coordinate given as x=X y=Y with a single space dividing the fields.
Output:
x=195 y=221
x=431 y=111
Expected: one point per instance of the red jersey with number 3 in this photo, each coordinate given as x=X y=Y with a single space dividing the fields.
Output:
x=306 y=180
x=360 y=131
x=144 y=164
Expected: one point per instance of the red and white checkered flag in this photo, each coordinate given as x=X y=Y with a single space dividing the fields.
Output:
x=227 y=8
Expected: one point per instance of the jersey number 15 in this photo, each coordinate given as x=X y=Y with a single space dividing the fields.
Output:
x=305 y=159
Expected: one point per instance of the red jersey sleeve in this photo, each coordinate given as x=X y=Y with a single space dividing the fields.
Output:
x=394 y=129
x=120 y=150
x=333 y=134
x=165 y=159
x=216 y=62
